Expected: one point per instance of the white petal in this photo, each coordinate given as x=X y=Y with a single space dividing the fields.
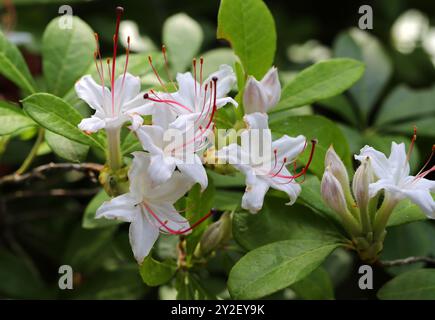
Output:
x=288 y=147
x=398 y=160
x=92 y=93
x=171 y=190
x=226 y=80
x=186 y=91
x=423 y=199
x=142 y=236
x=421 y=184
x=171 y=218
x=291 y=187
x=256 y=120
x=151 y=138
x=92 y=124
x=136 y=121
x=195 y=171
x=378 y=161
x=160 y=169
x=122 y=207
x=379 y=185
x=140 y=184
x=126 y=89
x=254 y=97
x=224 y=101
x=253 y=198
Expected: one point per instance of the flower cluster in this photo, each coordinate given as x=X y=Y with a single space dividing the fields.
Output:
x=180 y=134
x=378 y=185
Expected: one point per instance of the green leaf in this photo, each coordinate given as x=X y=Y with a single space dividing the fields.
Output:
x=13 y=119
x=249 y=27
x=404 y=103
x=405 y=212
x=413 y=239
x=155 y=273
x=320 y=81
x=57 y=116
x=276 y=266
x=324 y=130
x=189 y=287
x=215 y=58
x=412 y=285
x=198 y=204
x=89 y=221
x=316 y=286
x=13 y=66
x=424 y=126
x=341 y=106
x=277 y=222
x=225 y=200
x=66 y=148
x=18 y=280
x=362 y=46
x=130 y=143
x=66 y=54
x=183 y=37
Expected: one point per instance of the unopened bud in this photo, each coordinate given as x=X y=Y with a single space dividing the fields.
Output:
x=332 y=192
x=361 y=180
x=216 y=234
x=337 y=168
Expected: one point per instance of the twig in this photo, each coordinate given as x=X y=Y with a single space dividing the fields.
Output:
x=406 y=261
x=51 y=193
x=39 y=172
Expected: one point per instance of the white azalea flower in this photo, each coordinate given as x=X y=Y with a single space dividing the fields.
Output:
x=149 y=209
x=174 y=148
x=260 y=96
x=192 y=97
x=270 y=171
x=111 y=111
x=394 y=177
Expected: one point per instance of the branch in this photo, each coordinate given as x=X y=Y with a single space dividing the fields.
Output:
x=51 y=193
x=39 y=172
x=406 y=261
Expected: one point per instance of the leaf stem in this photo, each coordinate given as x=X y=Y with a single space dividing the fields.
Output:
x=32 y=154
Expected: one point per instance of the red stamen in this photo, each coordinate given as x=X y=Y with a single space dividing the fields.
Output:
x=172 y=231
x=168 y=73
x=127 y=53
x=150 y=60
x=167 y=101
x=201 y=62
x=422 y=173
x=411 y=146
x=119 y=12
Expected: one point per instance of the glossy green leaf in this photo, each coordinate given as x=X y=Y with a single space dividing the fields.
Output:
x=13 y=66
x=316 y=286
x=404 y=103
x=320 y=81
x=249 y=27
x=66 y=148
x=277 y=222
x=341 y=106
x=405 y=212
x=189 y=287
x=314 y=127
x=362 y=46
x=155 y=273
x=67 y=54
x=13 y=119
x=217 y=57
x=412 y=285
x=57 y=116
x=276 y=266
x=89 y=221
x=183 y=38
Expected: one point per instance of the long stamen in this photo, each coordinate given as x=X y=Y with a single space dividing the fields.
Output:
x=119 y=12
x=194 y=73
x=422 y=172
x=127 y=53
x=168 y=73
x=201 y=63
x=150 y=60
x=172 y=231
x=166 y=101
x=411 y=146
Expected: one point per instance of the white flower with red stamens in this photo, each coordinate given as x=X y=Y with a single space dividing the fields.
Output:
x=149 y=209
x=271 y=171
x=185 y=136
x=394 y=177
x=260 y=96
x=193 y=95
x=113 y=107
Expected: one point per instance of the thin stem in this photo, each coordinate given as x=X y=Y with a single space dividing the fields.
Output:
x=32 y=154
x=406 y=261
x=114 y=155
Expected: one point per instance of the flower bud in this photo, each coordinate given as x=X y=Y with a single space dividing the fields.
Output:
x=332 y=192
x=361 y=180
x=216 y=234
x=337 y=168
x=260 y=96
